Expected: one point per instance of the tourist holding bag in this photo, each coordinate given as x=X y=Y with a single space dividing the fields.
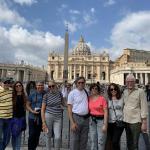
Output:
x=18 y=122
x=115 y=123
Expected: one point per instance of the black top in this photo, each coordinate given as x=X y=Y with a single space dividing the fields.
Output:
x=20 y=110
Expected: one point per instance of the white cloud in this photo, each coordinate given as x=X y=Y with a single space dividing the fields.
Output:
x=89 y=19
x=33 y=47
x=133 y=31
x=92 y=10
x=76 y=12
x=26 y=2
x=72 y=26
x=62 y=7
x=109 y=2
x=9 y=16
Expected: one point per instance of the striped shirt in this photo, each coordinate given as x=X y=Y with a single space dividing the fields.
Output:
x=6 y=105
x=53 y=103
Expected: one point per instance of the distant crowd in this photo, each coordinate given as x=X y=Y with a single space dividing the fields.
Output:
x=101 y=112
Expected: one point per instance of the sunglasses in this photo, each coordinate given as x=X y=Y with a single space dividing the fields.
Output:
x=51 y=86
x=18 y=86
x=7 y=82
x=81 y=82
x=113 y=89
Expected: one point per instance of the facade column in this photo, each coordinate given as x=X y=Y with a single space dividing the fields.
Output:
x=141 y=76
x=74 y=71
x=135 y=76
x=56 y=71
x=71 y=72
x=146 y=78
x=84 y=70
x=80 y=70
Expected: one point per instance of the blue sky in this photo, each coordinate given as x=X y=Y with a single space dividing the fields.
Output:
x=30 y=29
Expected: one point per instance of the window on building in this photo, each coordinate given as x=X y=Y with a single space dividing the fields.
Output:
x=89 y=76
x=103 y=76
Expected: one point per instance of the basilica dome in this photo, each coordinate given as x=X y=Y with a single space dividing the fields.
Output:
x=82 y=48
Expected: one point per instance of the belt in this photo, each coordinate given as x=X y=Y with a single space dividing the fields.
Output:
x=83 y=116
x=97 y=117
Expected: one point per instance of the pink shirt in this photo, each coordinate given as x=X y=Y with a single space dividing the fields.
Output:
x=96 y=107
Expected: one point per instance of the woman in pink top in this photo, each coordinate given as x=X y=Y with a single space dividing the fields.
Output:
x=99 y=115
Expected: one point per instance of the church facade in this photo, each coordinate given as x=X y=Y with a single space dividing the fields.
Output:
x=81 y=62
x=132 y=61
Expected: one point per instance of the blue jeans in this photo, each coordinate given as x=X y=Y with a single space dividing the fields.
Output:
x=16 y=142
x=98 y=138
x=54 y=124
x=4 y=133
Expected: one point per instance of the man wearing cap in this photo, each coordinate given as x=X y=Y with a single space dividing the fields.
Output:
x=6 y=109
x=135 y=112
x=78 y=115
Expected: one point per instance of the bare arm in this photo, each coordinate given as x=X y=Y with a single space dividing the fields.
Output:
x=73 y=123
x=28 y=107
x=105 y=120
x=44 y=126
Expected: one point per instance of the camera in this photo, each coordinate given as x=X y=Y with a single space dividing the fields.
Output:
x=37 y=109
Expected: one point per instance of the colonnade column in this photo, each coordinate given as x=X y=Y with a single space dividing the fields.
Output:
x=141 y=77
x=146 y=78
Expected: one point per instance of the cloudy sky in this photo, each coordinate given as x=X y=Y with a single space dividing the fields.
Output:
x=30 y=29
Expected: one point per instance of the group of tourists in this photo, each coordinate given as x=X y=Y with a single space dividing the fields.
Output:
x=102 y=117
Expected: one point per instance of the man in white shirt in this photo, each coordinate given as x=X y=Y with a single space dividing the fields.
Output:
x=78 y=115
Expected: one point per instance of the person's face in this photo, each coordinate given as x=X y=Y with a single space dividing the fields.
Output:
x=18 y=87
x=130 y=83
x=52 y=87
x=113 y=90
x=94 y=90
x=80 y=84
x=6 y=84
x=40 y=87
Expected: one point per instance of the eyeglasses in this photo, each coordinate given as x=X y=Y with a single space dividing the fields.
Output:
x=18 y=86
x=81 y=82
x=51 y=86
x=113 y=89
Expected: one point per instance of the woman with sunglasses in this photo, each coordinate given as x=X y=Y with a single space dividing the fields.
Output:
x=51 y=113
x=19 y=111
x=115 y=107
x=99 y=115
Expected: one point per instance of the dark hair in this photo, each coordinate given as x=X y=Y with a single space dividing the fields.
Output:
x=28 y=87
x=14 y=95
x=95 y=85
x=79 y=78
x=118 y=95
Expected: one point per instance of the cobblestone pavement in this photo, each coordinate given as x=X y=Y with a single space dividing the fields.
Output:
x=65 y=137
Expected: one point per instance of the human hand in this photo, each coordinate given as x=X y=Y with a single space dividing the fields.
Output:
x=44 y=128
x=144 y=127
x=74 y=127
x=104 y=128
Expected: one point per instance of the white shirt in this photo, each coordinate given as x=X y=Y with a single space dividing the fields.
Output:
x=79 y=101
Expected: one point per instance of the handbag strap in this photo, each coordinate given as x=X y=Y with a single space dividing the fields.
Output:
x=114 y=110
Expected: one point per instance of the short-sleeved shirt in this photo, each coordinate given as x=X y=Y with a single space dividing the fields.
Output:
x=6 y=104
x=53 y=101
x=79 y=101
x=35 y=99
x=115 y=108
x=96 y=107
